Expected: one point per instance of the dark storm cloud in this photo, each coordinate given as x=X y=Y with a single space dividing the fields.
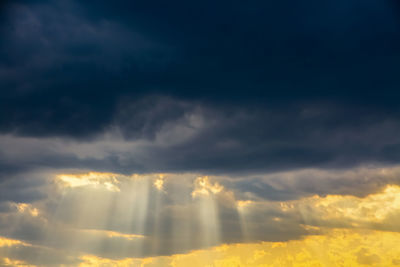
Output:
x=274 y=85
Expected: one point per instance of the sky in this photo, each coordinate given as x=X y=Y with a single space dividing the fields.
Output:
x=199 y=133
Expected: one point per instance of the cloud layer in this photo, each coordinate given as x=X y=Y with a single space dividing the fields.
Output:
x=120 y=217
x=155 y=132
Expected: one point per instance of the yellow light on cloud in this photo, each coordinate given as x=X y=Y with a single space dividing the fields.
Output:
x=203 y=186
x=112 y=234
x=108 y=181
x=337 y=247
x=243 y=203
x=159 y=182
x=7 y=242
x=27 y=208
x=374 y=208
x=9 y=262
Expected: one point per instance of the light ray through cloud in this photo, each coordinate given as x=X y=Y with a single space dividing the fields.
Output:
x=205 y=195
x=186 y=212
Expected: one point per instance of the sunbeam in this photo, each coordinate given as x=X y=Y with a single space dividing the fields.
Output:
x=204 y=194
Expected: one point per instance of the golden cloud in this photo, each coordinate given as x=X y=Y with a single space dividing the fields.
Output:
x=204 y=187
x=336 y=247
x=108 y=181
x=112 y=234
x=7 y=242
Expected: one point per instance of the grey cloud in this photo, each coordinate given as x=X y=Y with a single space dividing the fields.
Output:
x=36 y=255
x=158 y=134
x=26 y=189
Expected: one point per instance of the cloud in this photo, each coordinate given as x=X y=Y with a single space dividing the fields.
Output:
x=335 y=247
x=106 y=180
x=289 y=185
x=68 y=66
x=17 y=253
x=179 y=136
x=149 y=129
x=218 y=96
x=191 y=212
x=204 y=187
